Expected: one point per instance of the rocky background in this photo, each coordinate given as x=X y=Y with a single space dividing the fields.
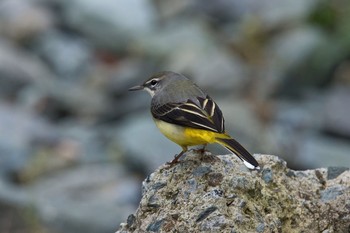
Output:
x=75 y=145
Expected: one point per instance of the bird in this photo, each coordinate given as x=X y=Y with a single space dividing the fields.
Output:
x=188 y=116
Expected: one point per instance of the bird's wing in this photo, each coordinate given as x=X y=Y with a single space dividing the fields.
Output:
x=205 y=114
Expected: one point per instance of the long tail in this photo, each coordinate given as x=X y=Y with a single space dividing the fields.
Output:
x=234 y=146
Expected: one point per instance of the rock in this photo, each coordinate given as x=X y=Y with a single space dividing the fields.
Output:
x=245 y=201
x=334 y=172
x=293 y=46
x=210 y=65
x=19 y=130
x=23 y=20
x=19 y=69
x=168 y=9
x=108 y=23
x=78 y=199
x=270 y=13
x=337 y=112
x=325 y=151
x=142 y=144
x=67 y=55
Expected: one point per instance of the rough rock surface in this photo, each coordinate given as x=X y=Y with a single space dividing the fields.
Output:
x=218 y=194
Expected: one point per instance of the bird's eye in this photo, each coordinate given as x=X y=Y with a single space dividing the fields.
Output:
x=154 y=82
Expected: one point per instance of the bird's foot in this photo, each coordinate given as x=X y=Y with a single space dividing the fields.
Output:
x=201 y=151
x=175 y=160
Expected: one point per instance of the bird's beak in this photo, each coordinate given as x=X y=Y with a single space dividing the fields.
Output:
x=136 y=88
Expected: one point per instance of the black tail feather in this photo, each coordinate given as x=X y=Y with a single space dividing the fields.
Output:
x=234 y=146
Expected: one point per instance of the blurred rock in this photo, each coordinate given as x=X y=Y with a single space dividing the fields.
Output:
x=68 y=56
x=168 y=9
x=337 y=112
x=23 y=20
x=110 y=24
x=78 y=199
x=271 y=13
x=324 y=151
x=142 y=143
x=72 y=100
x=18 y=130
x=292 y=47
x=242 y=200
x=196 y=55
x=175 y=37
x=18 y=69
x=241 y=121
x=88 y=141
x=128 y=73
x=217 y=70
x=274 y=13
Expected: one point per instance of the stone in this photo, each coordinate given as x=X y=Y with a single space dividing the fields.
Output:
x=108 y=23
x=19 y=69
x=68 y=56
x=271 y=13
x=325 y=151
x=142 y=144
x=334 y=172
x=19 y=130
x=78 y=199
x=286 y=203
x=23 y=20
x=336 y=111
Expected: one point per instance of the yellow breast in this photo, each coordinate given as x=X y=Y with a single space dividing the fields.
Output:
x=185 y=136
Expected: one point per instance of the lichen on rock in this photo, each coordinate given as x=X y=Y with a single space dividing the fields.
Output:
x=221 y=195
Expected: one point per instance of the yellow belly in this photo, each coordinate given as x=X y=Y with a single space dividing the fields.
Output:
x=185 y=136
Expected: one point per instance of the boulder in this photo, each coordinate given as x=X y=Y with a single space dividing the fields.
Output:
x=219 y=194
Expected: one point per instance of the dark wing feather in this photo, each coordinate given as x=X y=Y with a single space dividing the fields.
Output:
x=214 y=112
x=202 y=115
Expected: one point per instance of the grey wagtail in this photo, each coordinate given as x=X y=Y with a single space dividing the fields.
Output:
x=188 y=116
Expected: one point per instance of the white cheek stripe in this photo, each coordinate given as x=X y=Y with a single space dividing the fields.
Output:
x=149 y=91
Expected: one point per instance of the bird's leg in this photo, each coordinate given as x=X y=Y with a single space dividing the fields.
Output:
x=177 y=157
x=201 y=150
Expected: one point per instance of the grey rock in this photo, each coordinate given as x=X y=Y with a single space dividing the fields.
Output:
x=334 y=172
x=189 y=38
x=19 y=130
x=267 y=175
x=142 y=143
x=203 y=215
x=292 y=47
x=210 y=66
x=131 y=220
x=336 y=111
x=168 y=9
x=68 y=56
x=253 y=207
x=332 y=193
x=65 y=201
x=325 y=151
x=155 y=226
x=23 y=20
x=200 y=171
x=18 y=69
x=274 y=13
x=107 y=22
x=260 y=227
x=271 y=13
x=241 y=121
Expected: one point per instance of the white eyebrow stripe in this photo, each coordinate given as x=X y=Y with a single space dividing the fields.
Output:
x=155 y=79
